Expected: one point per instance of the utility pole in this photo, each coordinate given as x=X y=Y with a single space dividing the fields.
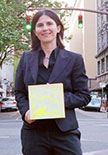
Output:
x=72 y=9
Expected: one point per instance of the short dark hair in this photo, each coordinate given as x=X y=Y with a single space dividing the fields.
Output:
x=54 y=16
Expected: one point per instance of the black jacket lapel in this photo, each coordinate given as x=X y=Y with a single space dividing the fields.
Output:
x=61 y=62
x=33 y=62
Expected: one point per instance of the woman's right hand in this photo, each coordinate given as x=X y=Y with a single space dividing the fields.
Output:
x=27 y=117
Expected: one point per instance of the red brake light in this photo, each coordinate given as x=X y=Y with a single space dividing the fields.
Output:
x=1 y=103
x=14 y=102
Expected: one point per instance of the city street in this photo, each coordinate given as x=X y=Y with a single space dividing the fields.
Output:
x=94 y=129
x=93 y=126
x=54 y=52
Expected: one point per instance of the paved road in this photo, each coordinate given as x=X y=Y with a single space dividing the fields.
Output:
x=93 y=126
x=94 y=129
x=10 y=124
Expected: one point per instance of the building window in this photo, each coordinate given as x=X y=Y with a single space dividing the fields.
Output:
x=103 y=65
x=107 y=63
x=106 y=5
x=98 y=69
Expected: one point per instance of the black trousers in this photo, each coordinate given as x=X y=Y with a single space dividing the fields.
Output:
x=49 y=140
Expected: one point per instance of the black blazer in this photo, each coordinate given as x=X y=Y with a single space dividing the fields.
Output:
x=68 y=69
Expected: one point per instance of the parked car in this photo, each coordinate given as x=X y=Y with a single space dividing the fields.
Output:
x=8 y=103
x=94 y=104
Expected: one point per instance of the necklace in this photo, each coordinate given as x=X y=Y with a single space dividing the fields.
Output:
x=46 y=61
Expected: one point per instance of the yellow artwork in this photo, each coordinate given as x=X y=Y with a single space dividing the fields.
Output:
x=46 y=101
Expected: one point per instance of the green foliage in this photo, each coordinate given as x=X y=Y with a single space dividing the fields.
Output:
x=13 y=35
x=11 y=27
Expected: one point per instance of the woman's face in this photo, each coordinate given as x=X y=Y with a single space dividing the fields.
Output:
x=46 y=29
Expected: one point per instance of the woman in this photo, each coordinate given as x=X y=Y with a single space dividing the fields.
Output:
x=49 y=62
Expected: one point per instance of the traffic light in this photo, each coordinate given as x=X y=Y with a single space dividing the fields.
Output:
x=80 y=21
x=28 y=24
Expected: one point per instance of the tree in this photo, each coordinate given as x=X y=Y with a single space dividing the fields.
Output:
x=11 y=27
x=13 y=35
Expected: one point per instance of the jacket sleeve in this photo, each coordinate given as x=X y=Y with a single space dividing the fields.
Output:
x=21 y=94
x=80 y=95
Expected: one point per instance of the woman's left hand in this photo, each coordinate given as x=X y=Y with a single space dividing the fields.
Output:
x=27 y=117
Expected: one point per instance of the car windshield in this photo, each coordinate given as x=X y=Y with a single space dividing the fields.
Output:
x=11 y=99
x=8 y=99
x=95 y=100
x=5 y=99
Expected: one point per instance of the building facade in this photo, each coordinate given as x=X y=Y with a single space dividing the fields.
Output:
x=102 y=44
x=84 y=40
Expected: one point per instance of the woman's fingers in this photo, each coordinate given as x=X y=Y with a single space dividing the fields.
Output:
x=27 y=117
